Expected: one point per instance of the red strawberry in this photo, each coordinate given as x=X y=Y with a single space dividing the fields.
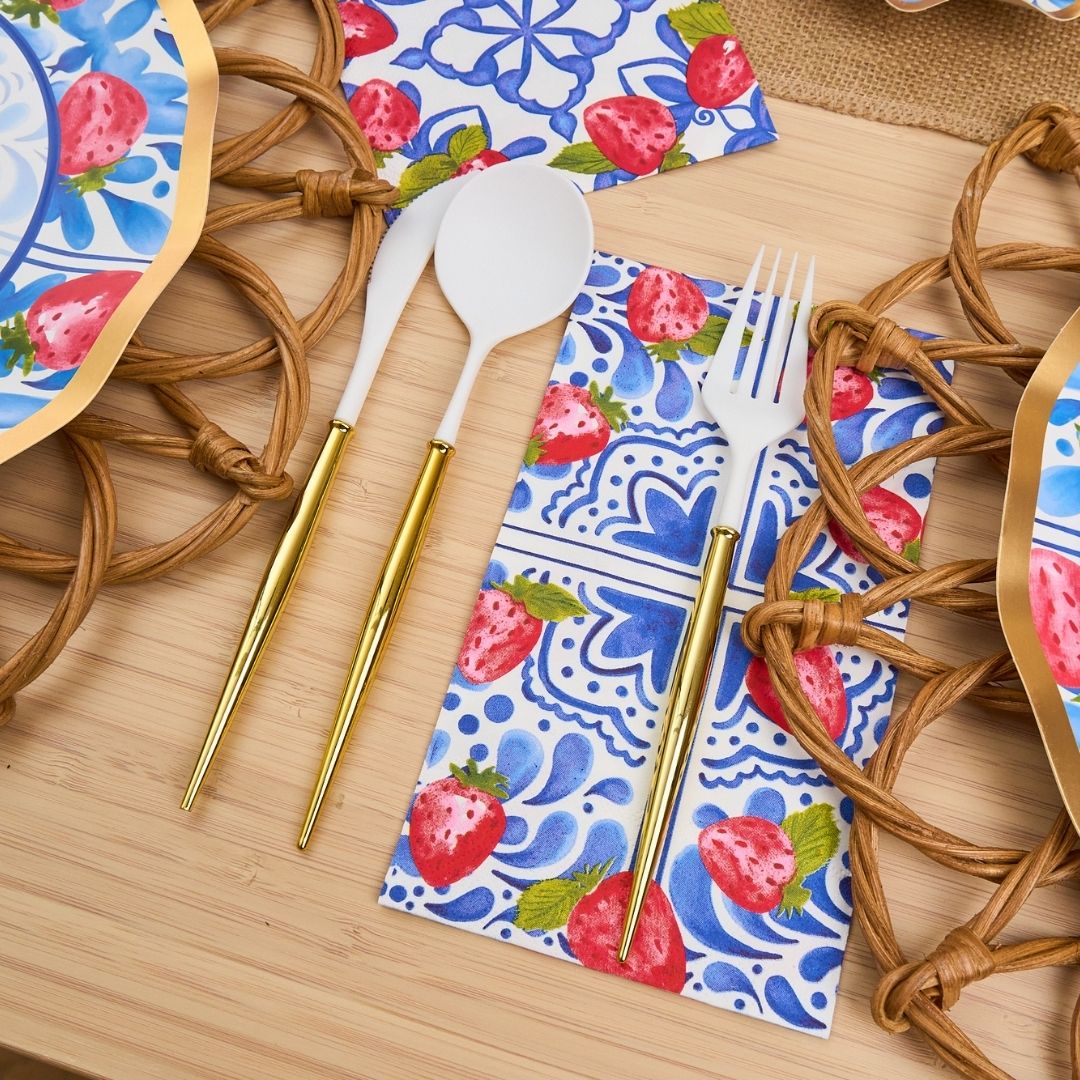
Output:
x=760 y=865
x=455 y=824
x=665 y=306
x=573 y=424
x=484 y=160
x=718 y=72
x=821 y=682
x=506 y=624
x=893 y=518
x=1054 y=588
x=366 y=30
x=35 y=10
x=62 y=324
x=101 y=117
x=633 y=133
x=592 y=907
x=852 y=392
x=386 y=116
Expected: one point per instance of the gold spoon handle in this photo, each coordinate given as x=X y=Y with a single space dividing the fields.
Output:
x=276 y=587
x=680 y=721
x=394 y=578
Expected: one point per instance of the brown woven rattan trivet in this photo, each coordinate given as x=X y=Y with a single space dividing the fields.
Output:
x=353 y=192
x=919 y=993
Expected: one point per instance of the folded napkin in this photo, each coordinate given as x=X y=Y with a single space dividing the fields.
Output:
x=528 y=805
x=609 y=90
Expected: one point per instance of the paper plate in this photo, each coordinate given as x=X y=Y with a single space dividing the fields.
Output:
x=1056 y=9
x=106 y=127
x=1039 y=560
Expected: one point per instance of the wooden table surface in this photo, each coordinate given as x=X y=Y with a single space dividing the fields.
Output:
x=139 y=942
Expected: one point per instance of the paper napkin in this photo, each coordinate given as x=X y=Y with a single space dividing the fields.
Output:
x=527 y=807
x=608 y=90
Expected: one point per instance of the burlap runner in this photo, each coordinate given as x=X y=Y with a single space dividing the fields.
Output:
x=969 y=67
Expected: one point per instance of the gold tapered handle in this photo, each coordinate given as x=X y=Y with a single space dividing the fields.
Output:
x=680 y=721
x=278 y=580
x=397 y=571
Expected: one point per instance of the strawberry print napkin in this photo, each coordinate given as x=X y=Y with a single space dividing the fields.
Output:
x=608 y=90
x=529 y=801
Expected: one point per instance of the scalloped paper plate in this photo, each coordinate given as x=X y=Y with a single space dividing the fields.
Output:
x=1056 y=9
x=1039 y=559
x=106 y=130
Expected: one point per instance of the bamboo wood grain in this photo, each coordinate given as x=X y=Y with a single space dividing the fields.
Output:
x=138 y=942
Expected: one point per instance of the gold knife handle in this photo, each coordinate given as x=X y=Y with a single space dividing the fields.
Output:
x=276 y=587
x=394 y=578
x=680 y=721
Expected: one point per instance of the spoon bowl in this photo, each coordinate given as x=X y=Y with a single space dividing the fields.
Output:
x=513 y=250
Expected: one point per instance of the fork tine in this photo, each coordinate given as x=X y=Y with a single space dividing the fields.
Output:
x=781 y=332
x=727 y=354
x=795 y=369
x=751 y=369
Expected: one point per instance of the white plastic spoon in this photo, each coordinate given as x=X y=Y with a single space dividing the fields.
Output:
x=513 y=251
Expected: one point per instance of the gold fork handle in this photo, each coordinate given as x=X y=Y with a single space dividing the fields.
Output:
x=680 y=721
x=276 y=587
x=394 y=578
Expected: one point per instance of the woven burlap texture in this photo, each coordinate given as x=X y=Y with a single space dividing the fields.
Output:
x=969 y=67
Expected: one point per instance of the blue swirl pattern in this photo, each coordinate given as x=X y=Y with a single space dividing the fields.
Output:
x=573 y=725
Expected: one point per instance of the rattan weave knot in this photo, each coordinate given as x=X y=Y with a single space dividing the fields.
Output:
x=250 y=477
x=918 y=992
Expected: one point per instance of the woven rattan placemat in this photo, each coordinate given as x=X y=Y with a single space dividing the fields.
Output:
x=969 y=67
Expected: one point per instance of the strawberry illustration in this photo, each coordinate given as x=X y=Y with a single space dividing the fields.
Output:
x=366 y=30
x=669 y=310
x=761 y=865
x=820 y=680
x=386 y=116
x=592 y=907
x=718 y=72
x=506 y=624
x=574 y=423
x=484 y=160
x=36 y=10
x=456 y=823
x=852 y=391
x=62 y=324
x=892 y=517
x=101 y=117
x=1054 y=588
x=634 y=133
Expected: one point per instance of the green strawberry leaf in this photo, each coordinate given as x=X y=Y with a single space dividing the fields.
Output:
x=34 y=9
x=675 y=158
x=552 y=603
x=486 y=780
x=381 y=157
x=91 y=180
x=546 y=906
x=794 y=899
x=876 y=375
x=912 y=550
x=814 y=836
x=15 y=340
x=707 y=340
x=665 y=350
x=549 y=603
x=533 y=451
x=696 y=22
x=422 y=176
x=830 y=596
x=467 y=143
x=614 y=411
x=582 y=157
x=1076 y=431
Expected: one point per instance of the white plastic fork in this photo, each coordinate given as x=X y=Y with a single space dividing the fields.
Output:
x=754 y=405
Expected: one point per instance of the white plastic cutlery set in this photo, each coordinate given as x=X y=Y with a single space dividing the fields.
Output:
x=513 y=246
